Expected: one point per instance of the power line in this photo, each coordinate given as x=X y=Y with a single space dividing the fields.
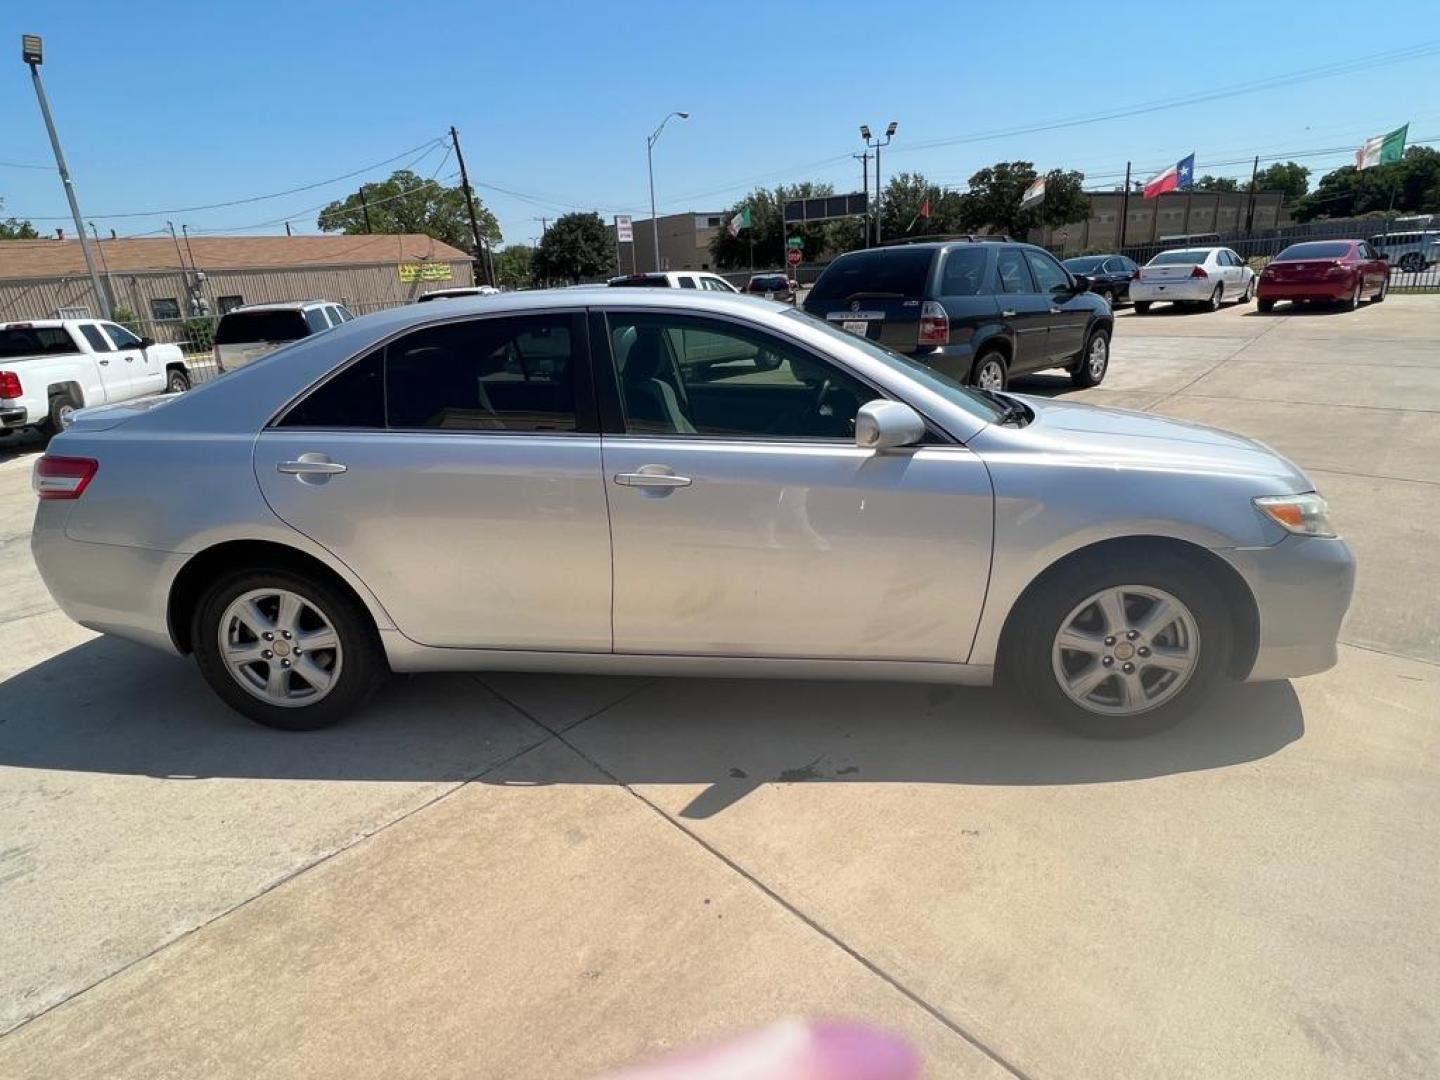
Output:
x=24 y=165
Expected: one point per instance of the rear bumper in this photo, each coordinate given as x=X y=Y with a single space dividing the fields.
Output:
x=953 y=360
x=109 y=588
x=1302 y=588
x=1338 y=289
x=13 y=417
x=1185 y=290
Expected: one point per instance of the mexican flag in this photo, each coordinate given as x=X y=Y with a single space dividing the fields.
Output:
x=738 y=222
x=1034 y=193
x=1382 y=149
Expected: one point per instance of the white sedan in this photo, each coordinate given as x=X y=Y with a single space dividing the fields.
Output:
x=1201 y=276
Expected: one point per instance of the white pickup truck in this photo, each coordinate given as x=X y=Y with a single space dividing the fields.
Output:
x=51 y=367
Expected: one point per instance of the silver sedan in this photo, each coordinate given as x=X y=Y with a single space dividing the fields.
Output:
x=658 y=482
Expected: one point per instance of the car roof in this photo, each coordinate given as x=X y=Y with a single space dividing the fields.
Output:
x=284 y=305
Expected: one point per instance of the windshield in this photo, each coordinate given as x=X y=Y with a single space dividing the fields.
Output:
x=1331 y=249
x=762 y=282
x=20 y=341
x=1173 y=258
x=894 y=272
x=952 y=391
x=1085 y=264
x=246 y=326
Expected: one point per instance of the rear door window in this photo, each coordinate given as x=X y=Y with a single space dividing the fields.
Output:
x=964 y=271
x=245 y=327
x=1011 y=273
x=895 y=273
x=97 y=340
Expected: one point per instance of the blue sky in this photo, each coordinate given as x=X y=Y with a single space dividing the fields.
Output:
x=163 y=106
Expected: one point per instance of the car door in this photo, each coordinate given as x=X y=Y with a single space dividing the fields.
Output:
x=1023 y=309
x=1068 y=316
x=109 y=376
x=1236 y=273
x=456 y=470
x=746 y=522
x=146 y=373
x=1372 y=267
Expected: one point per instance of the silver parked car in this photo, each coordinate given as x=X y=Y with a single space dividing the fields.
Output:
x=551 y=481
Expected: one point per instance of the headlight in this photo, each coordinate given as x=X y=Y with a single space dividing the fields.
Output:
x=1305 y=515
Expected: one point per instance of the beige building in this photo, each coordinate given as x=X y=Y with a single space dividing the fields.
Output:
x=1184 y=213
x=163 y=286
x=684 y=242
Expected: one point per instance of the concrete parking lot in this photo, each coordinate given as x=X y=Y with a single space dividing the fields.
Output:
x=526 y=876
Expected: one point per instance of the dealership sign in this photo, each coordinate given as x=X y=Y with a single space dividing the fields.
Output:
x=410 y=272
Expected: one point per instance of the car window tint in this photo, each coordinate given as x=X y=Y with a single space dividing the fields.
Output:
x=122 y=338
x=353 y=398
x=245 y=327
x=964 y=272
x=1049 y=274
x=1011 y=272
x=316 y=321
x=683 y=375
x=20 y=340
x=881 y=273
x=1178 y=258
x=505 y=374
x=97 y=340
x=1114 y=266
x=687 y=283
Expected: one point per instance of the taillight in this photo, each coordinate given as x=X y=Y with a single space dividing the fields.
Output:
x=1198 y=271
x=10 y=385
x=934 y=324
x=63 y=477
x=1135 y=274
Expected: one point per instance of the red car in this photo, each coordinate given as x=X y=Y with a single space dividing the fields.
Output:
x=1337 y=271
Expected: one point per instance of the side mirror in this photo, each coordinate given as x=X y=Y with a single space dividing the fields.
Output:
x=1082 y=283
x=1385 y=256
x=884 y=425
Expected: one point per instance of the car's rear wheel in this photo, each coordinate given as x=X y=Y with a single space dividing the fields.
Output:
x=286 y=651
x=1094 y=362
x=1380 y=294
x=1249 y=292
x=1413 y=262
x=1352 y=302
x=1265 y=305
x=989 y=372
x=1215 y=297
x=1142 y=307
x=1121 y=648
x=177 y=381
x=59 y=416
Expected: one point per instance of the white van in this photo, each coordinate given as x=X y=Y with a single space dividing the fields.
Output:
x=1410 y=251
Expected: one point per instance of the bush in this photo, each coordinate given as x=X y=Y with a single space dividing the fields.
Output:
x=128 y=319
x=199 y=334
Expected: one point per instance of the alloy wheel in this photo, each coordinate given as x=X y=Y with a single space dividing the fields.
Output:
x=1125 y=650
x=991 y=376
x=280 y=647
x=1099 y=357
x=1215 y=299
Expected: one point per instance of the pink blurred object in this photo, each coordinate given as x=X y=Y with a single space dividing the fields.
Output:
x=791 y=1050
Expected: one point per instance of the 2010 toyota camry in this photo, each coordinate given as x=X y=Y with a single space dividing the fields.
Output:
x=677 y=483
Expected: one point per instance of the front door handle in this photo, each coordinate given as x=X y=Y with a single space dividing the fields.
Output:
x=1056 y=310
x=104 y=363
x=311 y=468
x=1007 y=314
x=652 y=476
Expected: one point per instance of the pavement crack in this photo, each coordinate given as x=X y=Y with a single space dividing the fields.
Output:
x=934 y=1011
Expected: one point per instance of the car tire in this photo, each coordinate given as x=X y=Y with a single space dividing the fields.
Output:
x=177 y=381
x=57 y=419
x=1090 y=369
x=1413 y=263
x=1379 y=296
x=1249 y=293
x=1213 y=304
x=990 y=371
x=1142 y=307
x=1067 y=601
x=1107 y=296
x=294 y=704
x=1352 y=302
x=1265 y=306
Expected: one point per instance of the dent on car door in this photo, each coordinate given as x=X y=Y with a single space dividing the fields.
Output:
x=457 y=472
x=745 y=521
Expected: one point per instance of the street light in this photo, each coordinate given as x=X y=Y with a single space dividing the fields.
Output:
x=650 y=164
x=32 y=51
x=876 y=144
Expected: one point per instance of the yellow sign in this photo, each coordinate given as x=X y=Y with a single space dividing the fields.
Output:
x=425 y=272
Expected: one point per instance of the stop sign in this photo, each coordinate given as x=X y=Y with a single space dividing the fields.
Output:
x=793 y=256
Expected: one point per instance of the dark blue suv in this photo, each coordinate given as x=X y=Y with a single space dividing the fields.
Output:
x=978 y=309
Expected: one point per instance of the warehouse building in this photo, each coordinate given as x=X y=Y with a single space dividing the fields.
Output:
x=684 y=241
x=162 y=285
x=1148 y=221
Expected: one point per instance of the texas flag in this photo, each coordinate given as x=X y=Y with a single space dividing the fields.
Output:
x=1176 y=178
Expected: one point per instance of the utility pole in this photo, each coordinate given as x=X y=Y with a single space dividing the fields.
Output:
x=201 y=304
x=365 y=205
x=864 y=160
x=1125 y=207
x=876 y=144
x=104 y=267
x=1250 y=210
x=33 y=53
x=481 y=249
x=287 y=229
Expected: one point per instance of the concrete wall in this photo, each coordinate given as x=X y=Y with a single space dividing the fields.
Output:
x=1174 y=214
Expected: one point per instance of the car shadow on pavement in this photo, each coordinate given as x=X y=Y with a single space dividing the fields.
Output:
x=14 y=444
x=108 y=706
x=1302 y=310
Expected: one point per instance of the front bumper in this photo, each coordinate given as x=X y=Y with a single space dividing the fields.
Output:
x=1302 y=588
x=1338 y=289
x=1182 y=290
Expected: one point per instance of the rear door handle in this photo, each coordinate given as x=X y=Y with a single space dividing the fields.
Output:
x=1007 y=314
x=1056 y=310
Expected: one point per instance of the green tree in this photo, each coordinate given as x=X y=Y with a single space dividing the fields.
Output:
x=1216 y=183
x=15 y=229
x=514 y=267
x=1410 y=185
x=1289 y=178
x=906 y=195
x=767 y=229
x=993 y=200
x=575 y=246
x=408 y=203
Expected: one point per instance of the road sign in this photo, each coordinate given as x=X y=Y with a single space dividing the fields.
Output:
x=795 y=242
x=624 y=229
x=793 y=256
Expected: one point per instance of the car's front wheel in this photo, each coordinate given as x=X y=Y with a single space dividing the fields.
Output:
x=1094 y=362
x=1121 y=648
x=285 y=650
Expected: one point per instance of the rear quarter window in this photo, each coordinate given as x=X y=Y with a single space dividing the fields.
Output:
x=20 y=341
x=882 y=273
x=243 y=327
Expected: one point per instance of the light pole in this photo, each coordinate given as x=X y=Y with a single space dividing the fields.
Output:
x=876 y=144
x=650 y=165
x=33 y=52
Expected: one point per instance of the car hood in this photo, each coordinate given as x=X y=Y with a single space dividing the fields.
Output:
x=1122 y=439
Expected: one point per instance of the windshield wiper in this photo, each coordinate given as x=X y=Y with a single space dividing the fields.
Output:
x=1011 y=411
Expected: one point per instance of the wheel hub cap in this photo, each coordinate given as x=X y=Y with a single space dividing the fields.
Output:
x=280 y=647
